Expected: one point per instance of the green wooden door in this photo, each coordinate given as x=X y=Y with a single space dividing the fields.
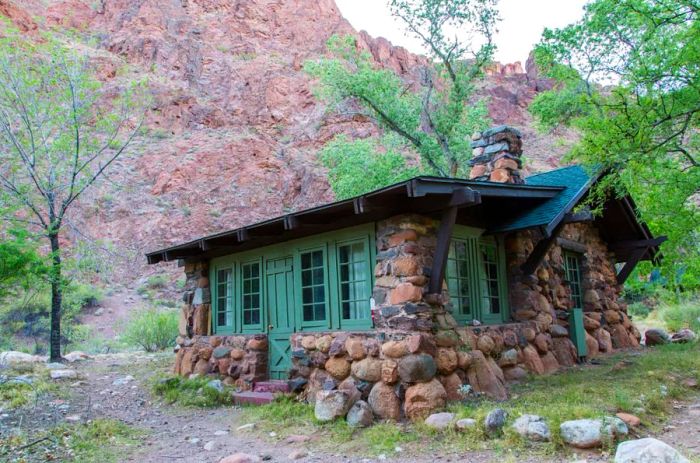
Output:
x=279 y=274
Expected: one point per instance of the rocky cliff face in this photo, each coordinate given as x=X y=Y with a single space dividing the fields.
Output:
x=234 y=128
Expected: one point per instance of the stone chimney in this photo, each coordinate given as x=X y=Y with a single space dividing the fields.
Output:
x=496 y=155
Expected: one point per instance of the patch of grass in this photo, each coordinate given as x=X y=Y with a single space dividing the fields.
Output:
x=682 y=315
x=644 y=384
x=193 y=392
x=98 y=441
x=18 y=389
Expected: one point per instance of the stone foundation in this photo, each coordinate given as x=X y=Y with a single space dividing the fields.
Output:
x=240 y=360
x=196 y=312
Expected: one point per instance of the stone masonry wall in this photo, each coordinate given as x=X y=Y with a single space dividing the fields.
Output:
x=240 y=360
x=196 y=312
x=417 y=358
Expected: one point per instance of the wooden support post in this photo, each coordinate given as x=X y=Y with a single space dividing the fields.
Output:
x=575 y=217
x=541 y=249
x=460 y=198
x=632 y=261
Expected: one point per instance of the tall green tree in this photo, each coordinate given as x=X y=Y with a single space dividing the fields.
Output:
x=628 y=79
x=436 y=118
x=60 y=130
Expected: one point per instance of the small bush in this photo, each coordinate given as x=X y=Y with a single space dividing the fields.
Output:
x=193 y=392
x=639 y=310
x=682 y=315
x=152 y=329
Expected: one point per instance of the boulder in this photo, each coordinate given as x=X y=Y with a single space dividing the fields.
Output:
x=323 y=344
x=604 y=340
x=564 y=351
x=331 y=405
x=494 y=421
x=486 y=377
x=551 y=365
x=543 y=342
x=532 y=360
x=446 y=360
x=221 y=352
x=384 y=402
x=647 y=450
x=420 y=343
x=440 y=421
x=13 y=358
x=390 y=371
x=417 y=368
x=558 y=331
x=422 y=399
x=464 y=359
x=588 y=433
x=532 y=427
x=350 y=388
x=360 y=415
x=485 y=344
x=394 y=349
x=76 y=356
x=591 y=346
x=447 y=338
x=465 y=423
x=338 y=367
x=452 y=384
x=355 y=348
x=63 y=374
x=308 y=342
x=514 y=374
x=240 y=458
x=684 y=335
x=368 y=369
x=630 y=420
x=508 y=358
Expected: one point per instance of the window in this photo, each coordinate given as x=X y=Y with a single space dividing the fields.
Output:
x=353 y=279
x=458 y=277
x=572 y=266
x=251 y=292
x=313 y=287
x=224 y=302
x=476 y=278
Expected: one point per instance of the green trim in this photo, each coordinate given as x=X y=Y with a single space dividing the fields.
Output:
x=572 y=270
x=469 y=283
x=329 y=244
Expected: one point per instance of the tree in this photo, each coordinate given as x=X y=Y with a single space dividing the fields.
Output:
x=20 y=263
x=59 y=131
x=628 y=79
x=437 y=119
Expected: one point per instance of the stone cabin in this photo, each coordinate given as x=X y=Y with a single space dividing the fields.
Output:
x=406 y=294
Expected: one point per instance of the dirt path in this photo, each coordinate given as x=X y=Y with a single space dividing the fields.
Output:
x=116 y=386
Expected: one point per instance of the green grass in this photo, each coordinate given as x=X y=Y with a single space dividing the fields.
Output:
x=18 y=394
x=643 y=384
x=98 y=441
x=190 y=392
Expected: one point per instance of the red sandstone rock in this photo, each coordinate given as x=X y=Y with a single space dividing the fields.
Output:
x=591 y=346
x=564 y=351
x=369 y=369
x=355 y=348
x=422 y=399
x=308 y=342
x=485 y=344
x=452 y=384
x=338 y=367
x=543 y=342
x=405 y=292
x=486 y=377
x=384 y=402
x=405 y=266
x=323 y=344
x=402 y=236
x=390 y=371
x=532 y=360
x=446 y=360
x=394 y=349
x=549 y=361
x=420 y=343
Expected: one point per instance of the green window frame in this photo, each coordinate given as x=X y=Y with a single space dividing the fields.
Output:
x=313 y=297
x=225 y=299
x=572 y=267
x=336 y=296
x=354 y=283
x=251 y=296
x=476 y=278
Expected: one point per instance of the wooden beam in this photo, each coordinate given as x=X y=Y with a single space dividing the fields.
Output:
x=541 y=249
x=626 y=270
x=575 y=217
x=360 y=205
x=636 y=244
x=291 y=222
x=572 y=245
x=242 y=235
x=460 y=198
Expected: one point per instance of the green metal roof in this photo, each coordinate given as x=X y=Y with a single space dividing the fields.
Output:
x=576 y=182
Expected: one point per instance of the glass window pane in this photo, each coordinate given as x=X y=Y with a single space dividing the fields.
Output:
x=317 y=258
x=306 y=278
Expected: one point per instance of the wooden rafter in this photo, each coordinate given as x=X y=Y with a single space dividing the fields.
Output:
x=632 y=261
x=541 y=249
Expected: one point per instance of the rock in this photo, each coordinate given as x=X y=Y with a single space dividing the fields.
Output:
x=564 y=351
x=12 y=358
x=684 y=335
x=323 y=344
x=532 y=427
x=656 y=337
x=494 y=421
x=369 y=369
x=446 y=360
x=420 y=343
x=384 y=402
x=63 y=374
x=394 y=349
x=452 y=384
x=591 y=346
x=588 y=433
x=532 y=360
x=360 y=415
x=338 y=367
x=604 y=340
x=464 y=359
x=465 y=423
x=390 y=371
x=630 y=420
x=558 y=331
x=76 y=356
x=223 y=351
x=309 y=342
x=331 y=405
x=209 y=446
x=355 y=348
x=297 y=454
x=550 y=363
x=55 y=366
x=647 y=450
x=485 y=344
x=123 y=380
x=350 y=388
x=237 y=354
x=416 y=368
x=422 y=399
x=508 y=358
x=486 y=377
x=246 y=427
x=440 y=421
x=543 y=342
x=259 y=342
x=514 y=374
x=240 y=458
x=216 y=384
x=447 y=338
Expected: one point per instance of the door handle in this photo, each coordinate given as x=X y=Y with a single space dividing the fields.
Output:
x=269 y=327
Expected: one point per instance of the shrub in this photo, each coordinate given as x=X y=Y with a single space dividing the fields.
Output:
x=194 y=392
x=639 y=310
x=152 y=329
x=682 y=315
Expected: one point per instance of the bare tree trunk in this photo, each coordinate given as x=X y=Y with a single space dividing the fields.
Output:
x=56 y=296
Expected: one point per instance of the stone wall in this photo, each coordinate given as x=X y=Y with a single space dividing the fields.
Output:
x=496 y=155
x=195 y=316
x=240 y=360
x=417 y=358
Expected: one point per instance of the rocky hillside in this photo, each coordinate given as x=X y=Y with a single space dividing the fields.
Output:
x=234 y=129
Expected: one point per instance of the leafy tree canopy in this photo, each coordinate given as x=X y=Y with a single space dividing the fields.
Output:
x=434 y=117
x=628 y=80
x=20 y=263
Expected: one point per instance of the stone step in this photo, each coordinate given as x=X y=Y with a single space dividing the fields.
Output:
x=253 y=398
x=273 y=385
